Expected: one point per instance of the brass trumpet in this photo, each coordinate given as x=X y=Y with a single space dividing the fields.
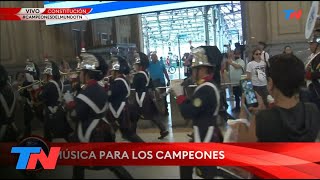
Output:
x=30 y=85
x=68 y=73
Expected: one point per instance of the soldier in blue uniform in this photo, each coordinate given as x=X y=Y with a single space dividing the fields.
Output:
x=55 y=124
x=8 y=130
x=313 y=69
x=32 y=108
x=90 y=107
x=203 y=106
x=119 y=91
x=143 y=85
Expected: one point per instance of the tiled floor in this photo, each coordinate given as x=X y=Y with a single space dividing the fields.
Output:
x=139 y=172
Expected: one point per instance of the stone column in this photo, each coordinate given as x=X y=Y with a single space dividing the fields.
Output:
x=265 y=21
x=206 y=26
x=136 y=31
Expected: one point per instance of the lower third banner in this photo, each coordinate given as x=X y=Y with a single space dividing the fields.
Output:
x=265 y=160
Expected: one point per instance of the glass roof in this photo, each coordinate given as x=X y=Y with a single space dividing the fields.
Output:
x=163 y=28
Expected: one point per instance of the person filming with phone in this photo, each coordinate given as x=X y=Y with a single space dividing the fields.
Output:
x=289 y=120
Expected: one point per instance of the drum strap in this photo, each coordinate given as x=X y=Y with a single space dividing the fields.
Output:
x=208 y=137
x=117 y=113
x=210 y=130
x=53 y=109
x=141 y=99
x=216 y=92
x=147 y=77
x=58 y=89
x=86 y=137
x=5 y=105
x=126 y=84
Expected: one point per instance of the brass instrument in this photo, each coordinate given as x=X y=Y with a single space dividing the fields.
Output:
x=105 y=81
x=30 y=85
x=68 y=73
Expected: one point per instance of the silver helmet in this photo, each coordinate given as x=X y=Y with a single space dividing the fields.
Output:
x=89 y=61
x=200 y=58
x=48 y=67
x=30 y=66
x=315 y=38
x=51 y=68
x=115 y=64
x=137 y=59
x=141 y=59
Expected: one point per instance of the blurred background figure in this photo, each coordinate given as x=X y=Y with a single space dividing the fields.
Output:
x=158 y=72
x=287 y=50
x=236 y=69
x=64 y=66
x=264 y=55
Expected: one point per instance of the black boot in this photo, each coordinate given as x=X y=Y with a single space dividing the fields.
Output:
x=163 y=134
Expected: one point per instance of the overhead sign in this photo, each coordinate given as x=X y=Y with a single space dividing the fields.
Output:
x=181 y=36
x=104 y=9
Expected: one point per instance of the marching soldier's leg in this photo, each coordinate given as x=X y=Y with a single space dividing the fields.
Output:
x=126 y=127
x=120 y=172
x=134 y=123
x=28 y=116
x=134 y=117
x=47 y=133
x=78 y=172
x=131 y=136
x=186 y=172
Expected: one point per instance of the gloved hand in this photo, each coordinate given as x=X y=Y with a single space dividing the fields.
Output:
x=29 y=77
x=177 y=88
x=168 y=83
x=36 y=86
x=68 y=97
x=270 y=99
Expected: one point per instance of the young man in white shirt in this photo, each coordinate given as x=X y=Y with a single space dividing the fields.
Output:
x=236 y=69
x=264 y=55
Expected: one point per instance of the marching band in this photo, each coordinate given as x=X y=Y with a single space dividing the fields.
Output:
x=92 y=102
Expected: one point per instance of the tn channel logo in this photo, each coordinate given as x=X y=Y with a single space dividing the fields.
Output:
x=291 y=14
x=33 y=151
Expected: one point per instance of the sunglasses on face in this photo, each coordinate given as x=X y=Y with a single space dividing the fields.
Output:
x=258 y=54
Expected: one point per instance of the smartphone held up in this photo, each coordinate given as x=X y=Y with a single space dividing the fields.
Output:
x=250 y=96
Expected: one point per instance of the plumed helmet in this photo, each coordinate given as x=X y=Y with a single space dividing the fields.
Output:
x=115 y=64
x=141 y=59
x=120 y=64
x=51 y=68
x=94 y=63
x=89 y=61
x=315 y=38
x=30 y=67
x=206 y=56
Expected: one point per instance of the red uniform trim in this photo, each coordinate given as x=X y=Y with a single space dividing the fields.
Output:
x=181 y=99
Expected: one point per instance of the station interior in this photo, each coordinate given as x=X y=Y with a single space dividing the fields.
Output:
x=168 y=33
